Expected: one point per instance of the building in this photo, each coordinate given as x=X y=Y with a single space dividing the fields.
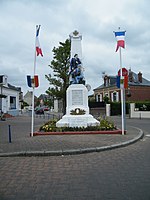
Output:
x=10 y=97
x=138 y=88
x=28 y=98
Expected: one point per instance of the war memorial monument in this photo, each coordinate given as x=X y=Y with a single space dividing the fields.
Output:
x=77 y=109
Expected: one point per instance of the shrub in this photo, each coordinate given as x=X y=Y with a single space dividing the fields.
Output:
x=49 y=126
x=143 y=106
x=105 y=124
x=116 y=108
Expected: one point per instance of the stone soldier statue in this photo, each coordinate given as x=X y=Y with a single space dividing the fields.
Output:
x=76 y=70
x=75 y=62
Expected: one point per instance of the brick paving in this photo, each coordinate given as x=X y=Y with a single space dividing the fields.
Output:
x=22 y=142
x=121 y=174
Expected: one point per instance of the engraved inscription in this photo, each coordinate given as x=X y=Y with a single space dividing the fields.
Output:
x=78 y=122
x=77 y=97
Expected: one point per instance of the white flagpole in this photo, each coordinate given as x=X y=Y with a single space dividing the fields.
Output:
x=122 y=94
x=32 y=121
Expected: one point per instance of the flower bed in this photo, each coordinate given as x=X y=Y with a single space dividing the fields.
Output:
x=105 y=127
x=105 y=124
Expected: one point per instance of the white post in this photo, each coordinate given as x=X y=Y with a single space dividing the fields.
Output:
x=124 y=106
x=32 y=121
x=122 y=94
x=107 y=110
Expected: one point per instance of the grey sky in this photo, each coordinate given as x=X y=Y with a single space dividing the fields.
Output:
x=96 y=20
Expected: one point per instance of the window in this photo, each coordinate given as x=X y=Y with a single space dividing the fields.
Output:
x=97 y=98
x=115 y=96
x=12 y=102
x=101 y=97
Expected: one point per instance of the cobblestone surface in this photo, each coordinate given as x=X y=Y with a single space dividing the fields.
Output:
x=21 y=140
x=120 y=174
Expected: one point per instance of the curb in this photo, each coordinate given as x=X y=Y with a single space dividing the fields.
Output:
x=118 y=131
x=74 y=151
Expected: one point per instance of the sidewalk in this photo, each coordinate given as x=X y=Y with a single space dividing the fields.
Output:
x=24 y=145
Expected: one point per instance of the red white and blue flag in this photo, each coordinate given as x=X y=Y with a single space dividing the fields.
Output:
x=120 y=37
x=32 y=81
x=38 y=48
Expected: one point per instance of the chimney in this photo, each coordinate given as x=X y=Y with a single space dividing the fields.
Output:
x=106 y=80
x=140 y=77
x=130 y=76
x=3 y=79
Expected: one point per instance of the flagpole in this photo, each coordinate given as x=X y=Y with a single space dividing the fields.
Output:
x=32 y=121
x=122 y=93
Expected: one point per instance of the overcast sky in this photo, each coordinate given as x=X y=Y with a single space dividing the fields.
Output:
x=95 y=19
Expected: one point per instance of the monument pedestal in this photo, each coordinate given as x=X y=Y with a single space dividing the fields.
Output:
x=77 y=110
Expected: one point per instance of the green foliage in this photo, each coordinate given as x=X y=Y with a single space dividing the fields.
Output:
x=37 y=103
x=143 y=106
x=59 y=79
x=49 y=102
x=24 y=104
x=49 y=126
x=116 y=108
x=106 y=99
x=2 y=96
x=77 y=111
x=105 y=124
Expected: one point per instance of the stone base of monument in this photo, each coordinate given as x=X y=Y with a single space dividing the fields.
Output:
x=77 y=110
x=77 y=121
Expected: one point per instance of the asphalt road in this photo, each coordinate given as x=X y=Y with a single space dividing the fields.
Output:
x=120 y=174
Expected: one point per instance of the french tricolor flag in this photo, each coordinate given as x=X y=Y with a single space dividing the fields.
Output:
x=120 y=37
x=38 y=48
x=32 y=81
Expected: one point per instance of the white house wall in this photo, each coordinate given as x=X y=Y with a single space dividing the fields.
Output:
x=138 y=114
x=6 y=101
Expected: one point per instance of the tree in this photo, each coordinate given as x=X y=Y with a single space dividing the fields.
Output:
x=24 y=104
x=59 y=80
x=106 y=99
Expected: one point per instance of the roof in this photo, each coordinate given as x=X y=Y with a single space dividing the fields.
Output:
x=14 y=88
x=4 y=83
x=9 y=86
x=135 y=82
